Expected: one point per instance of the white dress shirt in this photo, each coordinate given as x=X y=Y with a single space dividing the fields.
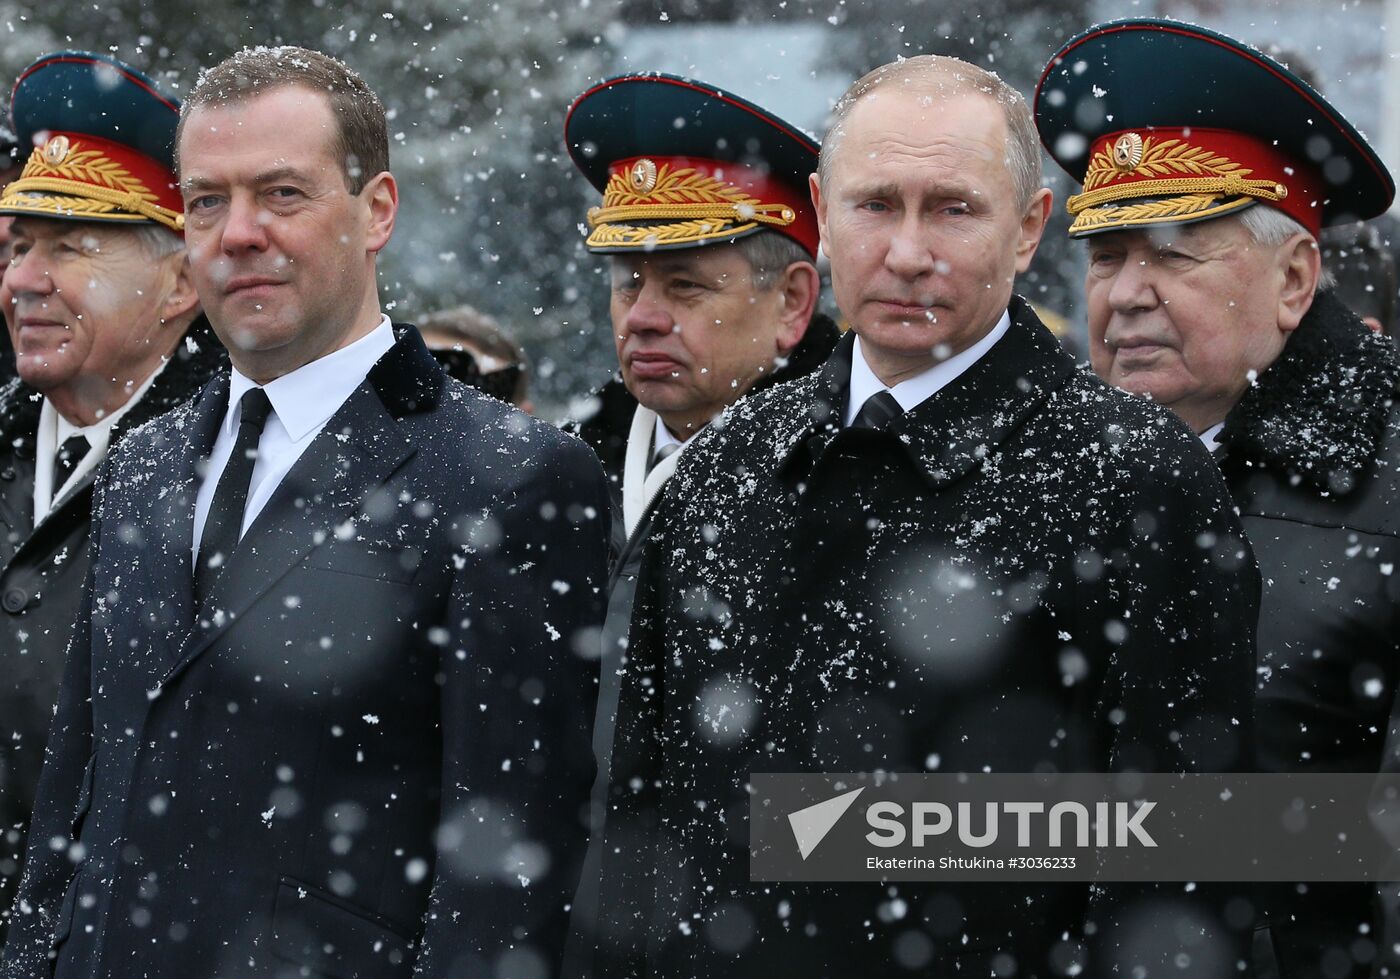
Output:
x=914 y=391
x=302 y=402
x=54 y=430
x=1210 y=435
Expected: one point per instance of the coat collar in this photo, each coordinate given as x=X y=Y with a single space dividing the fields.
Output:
x=948 y=435
x=1319 y=411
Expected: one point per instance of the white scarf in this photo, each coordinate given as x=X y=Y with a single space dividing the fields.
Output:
x=639 y=487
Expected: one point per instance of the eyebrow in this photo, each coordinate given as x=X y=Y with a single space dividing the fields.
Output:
x=266 y=177
x=962 y=192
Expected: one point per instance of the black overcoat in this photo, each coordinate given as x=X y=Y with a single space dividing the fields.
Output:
x=606 y=430
x=1312 y=457
x=1029 y=569
x=41 y=578
x=376 y=756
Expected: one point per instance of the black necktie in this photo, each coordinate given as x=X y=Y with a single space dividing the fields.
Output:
x=877 y=411
x=69 y=454
x=225 y=520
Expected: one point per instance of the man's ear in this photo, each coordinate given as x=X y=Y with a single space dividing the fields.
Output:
x=1033 y=220
x=181 y=303
x=797 y=292
x=382 y=196
x=814 y=186
x=1300 y=267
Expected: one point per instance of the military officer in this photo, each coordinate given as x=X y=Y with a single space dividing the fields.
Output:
x=109 y=334
x=711 y=240
x=1208 y=172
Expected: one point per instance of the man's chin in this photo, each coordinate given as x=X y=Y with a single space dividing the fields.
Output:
x=1144 y=384
x=41 y=371
x=255 y=333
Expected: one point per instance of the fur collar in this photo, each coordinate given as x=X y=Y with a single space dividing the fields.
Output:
x=1319 y=411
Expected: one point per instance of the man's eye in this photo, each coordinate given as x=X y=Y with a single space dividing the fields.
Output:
x=284 y=193
x=685 y=284
x=957 y=209
x=203 y=203
x=875 y=207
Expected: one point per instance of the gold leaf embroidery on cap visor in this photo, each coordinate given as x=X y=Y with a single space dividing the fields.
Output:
x=1181 y=181
x=682 y=205
x=85 y=183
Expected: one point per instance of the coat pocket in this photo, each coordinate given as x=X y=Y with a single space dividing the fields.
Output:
x=326 y=936
x=383 y=562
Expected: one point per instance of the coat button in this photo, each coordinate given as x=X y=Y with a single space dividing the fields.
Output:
x=7 y=474
x=15 y=600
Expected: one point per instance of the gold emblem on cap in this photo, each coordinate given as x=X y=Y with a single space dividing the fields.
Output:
x=642 y=175
x=1127 y=152
x=56 y=150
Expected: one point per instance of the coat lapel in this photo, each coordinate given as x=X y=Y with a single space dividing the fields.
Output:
x=170 y=566
x=358 y=450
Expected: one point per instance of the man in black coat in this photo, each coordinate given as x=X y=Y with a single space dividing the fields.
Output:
x=1203 y=293
x=702 y=313
x=103 y=312
x=948 y=550
x=329 y=712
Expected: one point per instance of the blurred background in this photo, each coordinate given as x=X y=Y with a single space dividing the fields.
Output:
x=492 y=209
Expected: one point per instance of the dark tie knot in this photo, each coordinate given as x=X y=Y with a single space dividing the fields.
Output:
x=66 y=459
x=253 y=408
x=73 y=449
x=877 y=411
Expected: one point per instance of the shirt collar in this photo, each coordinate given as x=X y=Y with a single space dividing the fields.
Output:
x=1211 y=435
x=914 y=391
x=663 y=436
x=305 y=399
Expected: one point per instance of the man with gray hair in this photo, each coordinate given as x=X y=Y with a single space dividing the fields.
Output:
x=104 y=317
x=1208 y=171
x=948 y=550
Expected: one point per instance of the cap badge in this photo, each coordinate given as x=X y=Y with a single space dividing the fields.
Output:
x=642 y=175
x=56 y=150
x=1127 y=152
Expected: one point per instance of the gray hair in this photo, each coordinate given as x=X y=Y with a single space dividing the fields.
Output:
x=1022 y=143
x=1270 y=227
x=158 y=241
x=769 y=253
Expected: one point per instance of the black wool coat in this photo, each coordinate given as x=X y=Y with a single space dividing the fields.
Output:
x=1029 y=569
x=1312 y=457
x=606 y=431
x=368 y=752
x=41 y=579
